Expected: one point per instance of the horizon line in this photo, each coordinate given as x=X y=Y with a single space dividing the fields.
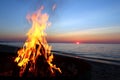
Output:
x=65 y=42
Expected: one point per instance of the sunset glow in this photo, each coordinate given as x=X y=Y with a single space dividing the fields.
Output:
x=72 y=20
x=77 y=42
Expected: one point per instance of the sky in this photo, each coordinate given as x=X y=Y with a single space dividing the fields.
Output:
x=84 y=21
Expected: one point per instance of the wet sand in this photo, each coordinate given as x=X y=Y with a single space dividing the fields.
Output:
x=102 y=70
x=99 y=71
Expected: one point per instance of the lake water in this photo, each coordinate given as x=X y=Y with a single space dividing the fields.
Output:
x=106 y=52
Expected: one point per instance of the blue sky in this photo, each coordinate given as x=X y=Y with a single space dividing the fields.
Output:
x=81 y=20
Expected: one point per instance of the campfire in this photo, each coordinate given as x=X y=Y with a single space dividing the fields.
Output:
x=35 y=56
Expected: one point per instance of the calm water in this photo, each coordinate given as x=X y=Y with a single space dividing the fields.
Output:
x=97 y=51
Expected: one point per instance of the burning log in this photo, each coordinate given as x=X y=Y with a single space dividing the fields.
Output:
x=43 y=69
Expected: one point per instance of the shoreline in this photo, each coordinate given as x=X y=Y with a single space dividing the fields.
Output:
x=99 y=71
x=93 y=59
x=103 y=71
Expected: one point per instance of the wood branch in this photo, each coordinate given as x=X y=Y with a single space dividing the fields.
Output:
x=27 y=69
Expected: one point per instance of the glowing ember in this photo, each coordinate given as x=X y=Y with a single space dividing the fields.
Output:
x=36 y=44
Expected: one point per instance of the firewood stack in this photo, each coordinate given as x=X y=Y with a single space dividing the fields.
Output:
x=42 y=68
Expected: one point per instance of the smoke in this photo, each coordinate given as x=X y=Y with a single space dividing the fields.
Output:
x=54 y=7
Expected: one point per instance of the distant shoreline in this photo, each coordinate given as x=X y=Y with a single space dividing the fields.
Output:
x=70 y=42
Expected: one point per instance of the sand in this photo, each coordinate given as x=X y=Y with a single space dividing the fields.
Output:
x=96 y=71
x=101 y=71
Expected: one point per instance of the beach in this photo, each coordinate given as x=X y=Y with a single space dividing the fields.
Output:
x=97 y=70
x=101 y=71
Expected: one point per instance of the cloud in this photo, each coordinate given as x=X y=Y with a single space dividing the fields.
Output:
x=95 y=31
x=108 y=34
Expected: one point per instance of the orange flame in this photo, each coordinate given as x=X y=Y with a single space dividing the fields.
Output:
x=36 y=36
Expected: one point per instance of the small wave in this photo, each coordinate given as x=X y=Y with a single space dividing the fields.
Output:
x=95 y=59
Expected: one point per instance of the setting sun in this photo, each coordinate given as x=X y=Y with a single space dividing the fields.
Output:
x=77 y=42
